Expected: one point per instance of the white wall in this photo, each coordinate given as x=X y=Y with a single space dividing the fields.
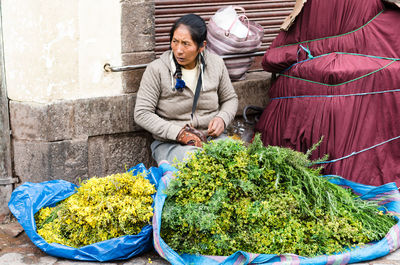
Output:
x=56 y=49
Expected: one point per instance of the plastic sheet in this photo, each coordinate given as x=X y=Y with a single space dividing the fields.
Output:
x=30 y=197
x=387 y=195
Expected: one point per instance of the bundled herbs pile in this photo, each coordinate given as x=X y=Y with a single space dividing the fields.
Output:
x=101 y=209
x=270 y=200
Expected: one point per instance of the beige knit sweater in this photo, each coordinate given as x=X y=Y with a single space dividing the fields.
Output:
x=163 y=111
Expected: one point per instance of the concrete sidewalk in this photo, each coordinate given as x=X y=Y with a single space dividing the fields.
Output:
x=17 y=249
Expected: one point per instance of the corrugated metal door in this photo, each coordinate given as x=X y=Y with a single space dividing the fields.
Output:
x=269 y=14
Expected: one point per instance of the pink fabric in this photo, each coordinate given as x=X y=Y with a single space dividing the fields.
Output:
x=352 y=114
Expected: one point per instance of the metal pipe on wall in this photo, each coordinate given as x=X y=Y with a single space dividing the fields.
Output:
x=109 y=68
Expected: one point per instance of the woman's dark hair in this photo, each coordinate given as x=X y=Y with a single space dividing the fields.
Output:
x=197 y=28
x=198 y=31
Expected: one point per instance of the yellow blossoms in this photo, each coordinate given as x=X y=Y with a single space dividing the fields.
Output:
x=101 y=209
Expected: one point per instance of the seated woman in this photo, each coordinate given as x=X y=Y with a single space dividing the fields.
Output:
x=185 y=93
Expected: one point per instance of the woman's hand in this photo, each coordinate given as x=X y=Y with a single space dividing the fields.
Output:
x=216 y=127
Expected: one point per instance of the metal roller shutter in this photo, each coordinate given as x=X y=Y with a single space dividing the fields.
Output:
x=269 y=14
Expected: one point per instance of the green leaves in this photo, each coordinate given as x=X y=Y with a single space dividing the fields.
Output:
x=258 y=199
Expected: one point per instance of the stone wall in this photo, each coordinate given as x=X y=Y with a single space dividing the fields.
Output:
x=76 y=139
x=6 y=180
x=138 y=39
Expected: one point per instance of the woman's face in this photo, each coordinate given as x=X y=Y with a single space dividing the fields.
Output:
x=184 y=48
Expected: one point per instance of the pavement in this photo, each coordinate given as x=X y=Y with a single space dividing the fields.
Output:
x=17 y=249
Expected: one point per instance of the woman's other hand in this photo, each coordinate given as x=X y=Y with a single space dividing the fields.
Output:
x=216 y=127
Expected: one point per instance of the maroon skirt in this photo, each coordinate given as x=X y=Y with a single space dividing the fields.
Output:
x=339 y=78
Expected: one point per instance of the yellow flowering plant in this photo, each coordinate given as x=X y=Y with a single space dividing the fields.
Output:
x=101 y=209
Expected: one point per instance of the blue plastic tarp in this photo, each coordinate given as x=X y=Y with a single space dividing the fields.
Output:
x=386 y=195
x=30 y=197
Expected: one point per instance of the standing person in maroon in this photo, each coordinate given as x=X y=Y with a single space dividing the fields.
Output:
x=184 y=91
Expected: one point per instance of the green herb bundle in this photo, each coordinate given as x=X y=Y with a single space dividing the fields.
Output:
x=270 y=200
